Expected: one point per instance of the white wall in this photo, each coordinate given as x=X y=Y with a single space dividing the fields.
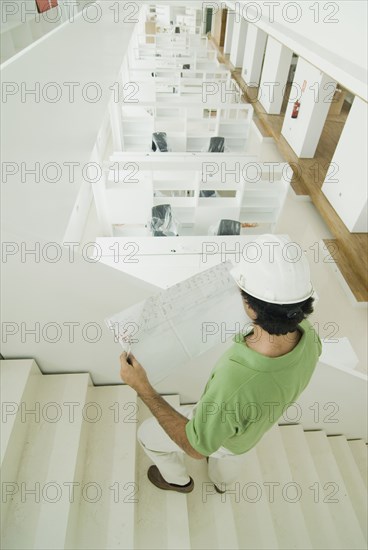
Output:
x=65 y=301
x=326 y=403
x=35 y=214
x=255 y=45
x=274 y=76
x=238 y=42
x=347 y=189
x=304 y=132
x=332 y=36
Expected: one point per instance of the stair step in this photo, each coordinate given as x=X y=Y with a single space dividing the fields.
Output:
x=233 y=519
x=106 y=518
x=290 y=526
x=64 y=444
x=18 y=382
x=352 y=479
x=162 y=516
x=321 y=528
x=359 y=450
x=48 y=463
x=252 y=513
x=177 y=521
x=226 y=530
x=202 y=515
x=211 y=515
x=333 y=491
x=19 y=379
x=241 y=517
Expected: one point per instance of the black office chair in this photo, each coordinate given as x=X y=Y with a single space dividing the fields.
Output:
x=209 y=193
x=217 y=145
x=185 y=66
x=162 y=223
x=229 y=227
x=159 y=142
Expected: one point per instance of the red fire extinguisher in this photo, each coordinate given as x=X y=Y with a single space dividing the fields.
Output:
x=295 y=112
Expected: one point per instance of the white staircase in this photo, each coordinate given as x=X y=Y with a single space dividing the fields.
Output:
x=73 y=476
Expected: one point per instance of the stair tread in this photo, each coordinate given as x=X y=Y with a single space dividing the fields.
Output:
x=359 y=451
x=177 y=519
x=317 y=515
x=210 y=513
x=226 y=530
x=105 y=454
x=202 y=517
x=290 y=526
x=14 y=374
x=47 y=460
x=253 y=517
x=150 y=527
x=341 y=509
x=162 y=516
x=352 y=478
x=110 y=467
x=18 y=389
x=16 y=377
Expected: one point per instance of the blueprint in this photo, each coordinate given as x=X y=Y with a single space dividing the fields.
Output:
x=171 y=327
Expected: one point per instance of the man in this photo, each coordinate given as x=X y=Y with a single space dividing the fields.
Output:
x=252 y=383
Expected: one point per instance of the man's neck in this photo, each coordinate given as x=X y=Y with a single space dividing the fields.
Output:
x=271 y=345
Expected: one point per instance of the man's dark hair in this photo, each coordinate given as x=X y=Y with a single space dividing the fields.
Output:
x=278 y=318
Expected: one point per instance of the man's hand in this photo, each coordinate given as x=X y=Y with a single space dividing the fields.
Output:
x=133 y=373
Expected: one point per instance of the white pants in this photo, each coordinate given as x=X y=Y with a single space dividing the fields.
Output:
x=224 y=467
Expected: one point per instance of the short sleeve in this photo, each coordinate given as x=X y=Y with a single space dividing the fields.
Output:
x=216 y=419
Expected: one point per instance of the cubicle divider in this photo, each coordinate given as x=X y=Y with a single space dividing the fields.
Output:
x=173 y=40
x=154 y=51
x=137 y=74
x=154 y=54
x=175 y=86
x=246 y=190
x=189 y=125
x=165 y=44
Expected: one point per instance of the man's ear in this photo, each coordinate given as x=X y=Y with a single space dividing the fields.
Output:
x=249 y=310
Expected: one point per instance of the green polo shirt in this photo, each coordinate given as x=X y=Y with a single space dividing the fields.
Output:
x=248 y=392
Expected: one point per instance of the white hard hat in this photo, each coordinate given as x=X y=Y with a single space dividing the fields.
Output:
x=274 y=270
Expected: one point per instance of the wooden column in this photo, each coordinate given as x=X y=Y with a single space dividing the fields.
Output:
x=219 y=27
